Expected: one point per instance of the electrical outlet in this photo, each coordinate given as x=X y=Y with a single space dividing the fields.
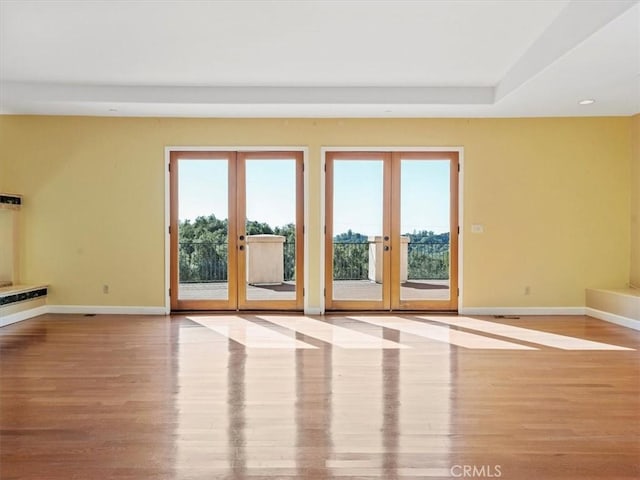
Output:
x=105 y=289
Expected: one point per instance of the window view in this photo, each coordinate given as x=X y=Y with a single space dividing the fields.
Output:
x=270 y=226
x=357 y=224
x=424 y=230
x=202 y=229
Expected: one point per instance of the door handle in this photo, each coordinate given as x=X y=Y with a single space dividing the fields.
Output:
x=241 y=237
x=241 y=247
x=386 y=248
x=386 y=238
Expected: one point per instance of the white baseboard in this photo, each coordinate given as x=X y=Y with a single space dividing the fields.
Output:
x=119 y=310
x=23 y=315
x=521 y=311
x=106 y=310
x=613 y=318
x=80 y=309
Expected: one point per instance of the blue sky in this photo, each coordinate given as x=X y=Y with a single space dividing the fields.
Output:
x=203 y=190
x=357 y=193
x=424 y=195
x=270 y=190
x=424 y=200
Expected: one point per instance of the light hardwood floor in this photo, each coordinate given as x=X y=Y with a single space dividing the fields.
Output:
x=265 y=397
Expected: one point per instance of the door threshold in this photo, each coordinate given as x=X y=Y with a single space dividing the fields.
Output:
x=394 y=312
x=235 y=312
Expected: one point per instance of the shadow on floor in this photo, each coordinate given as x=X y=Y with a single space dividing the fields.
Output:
x=425 y=286
x=281 y=287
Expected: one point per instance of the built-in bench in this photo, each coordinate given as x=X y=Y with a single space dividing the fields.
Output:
x=18 y=302
x=617 y=305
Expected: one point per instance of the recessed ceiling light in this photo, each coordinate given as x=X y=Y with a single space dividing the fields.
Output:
x=587 y=101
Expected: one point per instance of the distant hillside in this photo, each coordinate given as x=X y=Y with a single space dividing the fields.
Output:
x=423 y=236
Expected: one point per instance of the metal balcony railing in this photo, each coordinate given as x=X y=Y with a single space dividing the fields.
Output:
x=206 y=262
x=351 y=261
x=426 y=261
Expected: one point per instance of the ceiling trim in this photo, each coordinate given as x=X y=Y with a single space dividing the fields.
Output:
x=56 y=93
x=575 y=23
x=535 y=84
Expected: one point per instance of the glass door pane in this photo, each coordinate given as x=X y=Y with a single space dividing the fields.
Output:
x=357 y=230
x=270 y=233
x=425 y=212
x=203 y=219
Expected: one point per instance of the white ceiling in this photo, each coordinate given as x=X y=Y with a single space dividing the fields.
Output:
x=348 y=58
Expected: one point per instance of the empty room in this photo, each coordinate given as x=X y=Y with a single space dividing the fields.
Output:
x=319 y=239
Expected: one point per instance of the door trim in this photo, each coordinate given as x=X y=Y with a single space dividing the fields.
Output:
x=233 y=148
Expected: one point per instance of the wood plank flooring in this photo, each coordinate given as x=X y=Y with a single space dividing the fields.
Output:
x=265 y=397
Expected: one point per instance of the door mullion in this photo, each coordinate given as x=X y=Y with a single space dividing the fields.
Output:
x=328 y=233
x=395 y=230
x=173 y=229
x=454 y=232
x=240 y=230
x=299 y=253
x=387 y=215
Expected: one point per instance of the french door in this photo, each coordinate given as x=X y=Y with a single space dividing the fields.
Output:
x=391 y=238
x=236 y=230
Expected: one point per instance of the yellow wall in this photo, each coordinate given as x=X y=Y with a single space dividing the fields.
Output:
x=635 y=202
x=553 y=195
